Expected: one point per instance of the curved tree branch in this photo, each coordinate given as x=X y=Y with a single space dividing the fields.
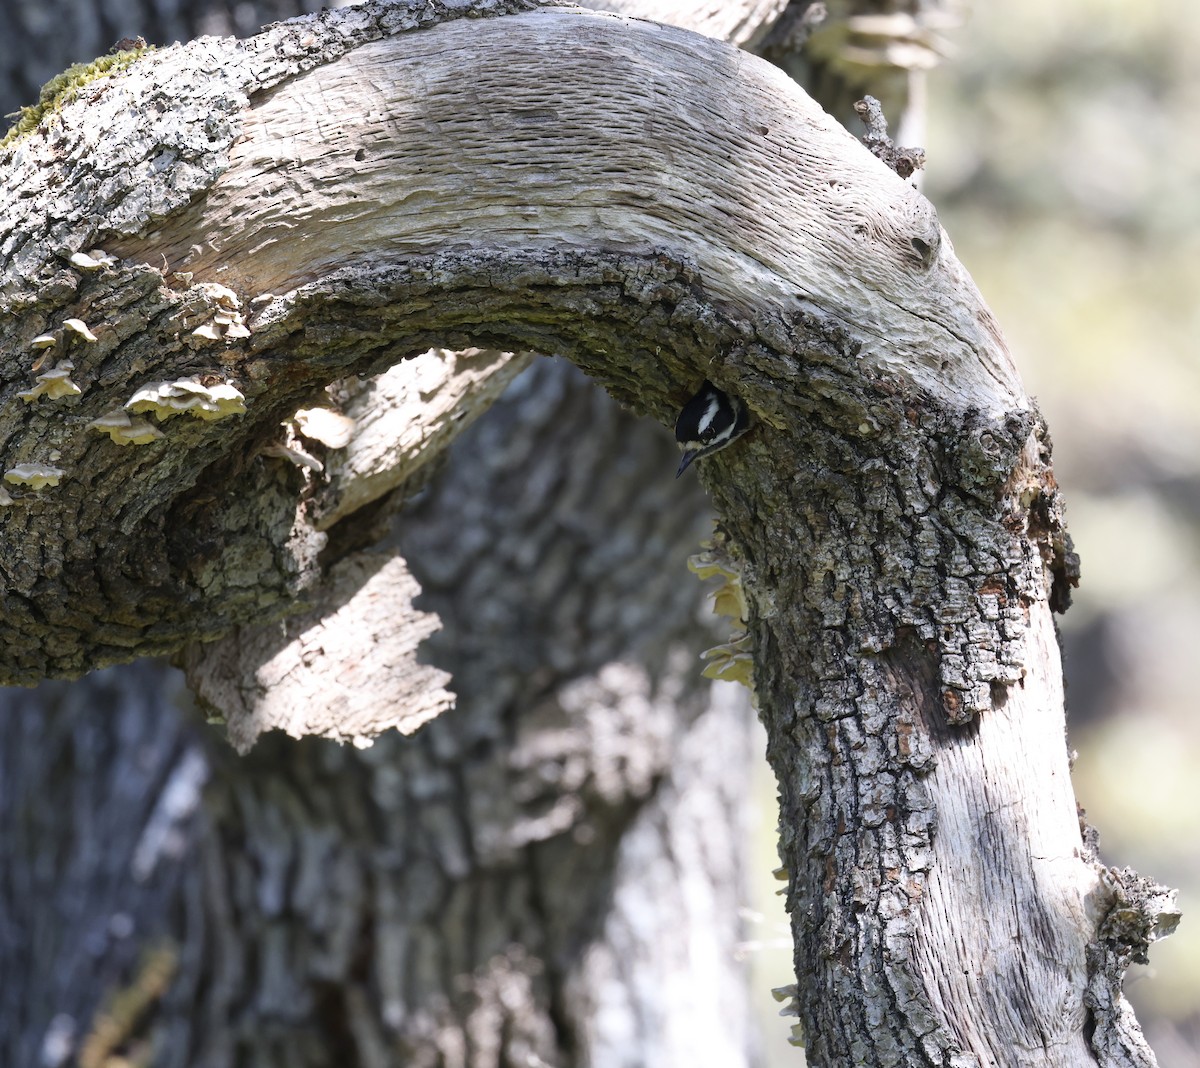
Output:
x=339 y=194
x=342 y=243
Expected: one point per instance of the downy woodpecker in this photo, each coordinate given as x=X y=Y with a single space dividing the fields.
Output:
x=709 y=421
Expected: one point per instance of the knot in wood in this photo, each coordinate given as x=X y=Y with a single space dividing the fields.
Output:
x=988 y=450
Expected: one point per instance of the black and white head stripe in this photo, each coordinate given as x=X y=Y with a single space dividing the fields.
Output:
x=712 y=409
x=708 y=422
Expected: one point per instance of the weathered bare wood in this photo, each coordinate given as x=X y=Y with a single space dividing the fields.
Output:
x=399 y=869
x=312 y=673
x=785 y=211
x=403 y=419
x=347 y=667
x=743 y=23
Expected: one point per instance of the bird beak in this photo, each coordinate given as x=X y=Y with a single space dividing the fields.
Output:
x=688 y=457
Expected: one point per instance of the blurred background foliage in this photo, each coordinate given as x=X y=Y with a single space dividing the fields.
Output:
x=1063 y=149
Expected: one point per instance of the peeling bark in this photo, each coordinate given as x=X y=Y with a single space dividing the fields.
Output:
x=405 y=976
x=309 y=666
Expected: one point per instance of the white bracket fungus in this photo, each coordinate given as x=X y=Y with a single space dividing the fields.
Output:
x=208 y=332
x=35 y=476
x=125 y=431
x=53 y=384
x=295 y=455
x=223 y=296
x=92 y=261
x=168 y=399
x=315 y=424
x=81 y=328
x=328 y=427
x=732 y=661
x=227 y=321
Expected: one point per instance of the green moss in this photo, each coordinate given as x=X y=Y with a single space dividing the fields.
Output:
x=64 y=87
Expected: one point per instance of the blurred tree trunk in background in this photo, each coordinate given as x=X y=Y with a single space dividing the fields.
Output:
x=550 y=873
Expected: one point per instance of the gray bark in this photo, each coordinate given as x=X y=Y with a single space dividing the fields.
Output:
x=552 y=869
x=553 y=872
x=562 y=889
x=891 y=531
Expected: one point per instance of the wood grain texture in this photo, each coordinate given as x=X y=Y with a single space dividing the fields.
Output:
x=647 y=135
x=404 y=419
x=743 y=23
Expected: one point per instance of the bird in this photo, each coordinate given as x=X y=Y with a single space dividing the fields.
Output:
x=708 y=422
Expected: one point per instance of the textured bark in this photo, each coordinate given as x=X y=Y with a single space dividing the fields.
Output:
x=498 y=889
x=795 y=218
x=307 y=675
x=348 y=666
x=604 y=852
x=892 y=527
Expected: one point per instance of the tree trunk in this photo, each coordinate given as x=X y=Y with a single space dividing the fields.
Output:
x=890 y=531
x=589 y=790
x=548 y=892
x=551 y=870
